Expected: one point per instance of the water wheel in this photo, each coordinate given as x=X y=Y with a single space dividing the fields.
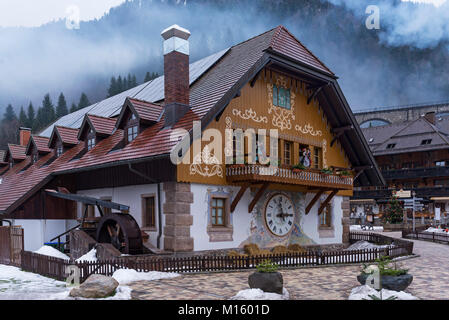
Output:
x=122 y=231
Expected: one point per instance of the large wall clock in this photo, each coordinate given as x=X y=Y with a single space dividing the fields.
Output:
x=279 y=215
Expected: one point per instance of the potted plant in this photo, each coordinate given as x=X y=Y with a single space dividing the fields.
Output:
x=344 y=174
x=298 y=168
x=391 y=277
x=326 y=171
x=267 y=278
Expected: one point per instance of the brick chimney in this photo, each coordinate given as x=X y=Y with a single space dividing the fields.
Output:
x=24 y=135
x=430 y=116
x=176 y=73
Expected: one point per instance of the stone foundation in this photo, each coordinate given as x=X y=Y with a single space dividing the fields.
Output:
x=345 y=221
x=178 y=219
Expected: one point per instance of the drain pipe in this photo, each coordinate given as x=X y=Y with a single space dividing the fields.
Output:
x=159 y=212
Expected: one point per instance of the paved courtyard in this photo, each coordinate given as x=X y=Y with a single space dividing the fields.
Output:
x=308 y=283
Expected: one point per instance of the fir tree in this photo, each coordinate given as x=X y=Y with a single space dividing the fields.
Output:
x=23 y=119
x=31 y=114
x=48 y=111
x=9 y=115
x=119 y=85
x=112 y=87
x=61 y=108
x=84 y=101
x=73 y=108
x=394 y=212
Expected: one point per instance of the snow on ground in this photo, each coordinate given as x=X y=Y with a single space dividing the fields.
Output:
x=360 y=245
x=257 y=294
x=359 y=228
x=436 y=230
x=363 y=292
x=52 y=252
x=91 y=256
x=124 y=276
x=16 y=284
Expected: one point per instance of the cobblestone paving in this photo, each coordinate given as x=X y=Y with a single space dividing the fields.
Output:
x=326 y=283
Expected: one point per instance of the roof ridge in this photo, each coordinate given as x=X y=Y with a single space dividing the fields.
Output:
x=394 y=134
x=256 y=36
x=302 y=45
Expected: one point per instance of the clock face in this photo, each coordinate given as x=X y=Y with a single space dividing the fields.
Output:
x=279 y=215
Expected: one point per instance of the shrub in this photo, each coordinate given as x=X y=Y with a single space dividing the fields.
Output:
x=387 y=268
x=267 y=267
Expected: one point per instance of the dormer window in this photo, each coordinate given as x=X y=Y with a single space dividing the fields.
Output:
x=90 y=144
x=35 y=157
x=426 y=141
x=391 y=146
x=132 y=132
x=59 y=151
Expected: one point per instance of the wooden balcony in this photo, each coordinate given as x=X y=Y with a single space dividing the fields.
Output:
x=253 y=174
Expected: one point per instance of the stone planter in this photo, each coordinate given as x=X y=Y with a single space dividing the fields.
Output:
x=395 y=283
x=266 y=281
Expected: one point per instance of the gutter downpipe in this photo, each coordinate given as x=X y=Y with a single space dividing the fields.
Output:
x=159 y=212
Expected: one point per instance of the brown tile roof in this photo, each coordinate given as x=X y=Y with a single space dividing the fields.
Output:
x=41 y=144
x=102 y=125
x=285 y=43
x=146 y=110
x=69 y=136
x=17 y=151
x=407 y=137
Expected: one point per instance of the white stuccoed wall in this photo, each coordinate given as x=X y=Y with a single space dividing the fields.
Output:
x=241 y=220
x=38 y=232
x=132 y=197
x=309 y=222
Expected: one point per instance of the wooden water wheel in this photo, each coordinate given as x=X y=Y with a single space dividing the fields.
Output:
x=122 y=231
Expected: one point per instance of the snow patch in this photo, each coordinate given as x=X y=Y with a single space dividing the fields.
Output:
x=124 y=276
x=359 y=228
x=363 y=292
x=51 y=252
x=361 y=245
x=436 y=230
x=91 y=256
x=257 y=294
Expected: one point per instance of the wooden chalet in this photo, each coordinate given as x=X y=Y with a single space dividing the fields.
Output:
x=119 y=150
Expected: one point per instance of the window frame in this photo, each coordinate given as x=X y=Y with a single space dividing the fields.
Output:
x=289 y=152
x=145 y=221
x=224 y=213
x=284 y=93
x=132 y=123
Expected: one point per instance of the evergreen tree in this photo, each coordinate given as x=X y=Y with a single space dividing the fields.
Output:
x=133 y=81
x=31 y=117
x=40 y=119
x=9 y=115
x=119 y=85
x=23 y=119
x=48 y=111
x=61 y=108
x=84 y=101
x=147 y=77
x=73 y=108
x=112 y=87
x=394 y=212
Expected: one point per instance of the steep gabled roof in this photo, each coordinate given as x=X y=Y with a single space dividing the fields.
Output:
x=409 y=137
x=100 y=125
x=17 y=152
x=68 y=136
x=145 y=111
x=40 y=143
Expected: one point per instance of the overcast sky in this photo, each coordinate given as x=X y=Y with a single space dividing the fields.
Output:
x=33 y=13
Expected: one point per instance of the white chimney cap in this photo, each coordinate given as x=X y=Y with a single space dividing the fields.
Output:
x=175 y=31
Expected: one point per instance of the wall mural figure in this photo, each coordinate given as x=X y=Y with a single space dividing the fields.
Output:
x=305 y=157
x=258 y=230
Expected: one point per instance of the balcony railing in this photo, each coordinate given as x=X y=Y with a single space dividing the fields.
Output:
x=432 y=172
x=258 y=173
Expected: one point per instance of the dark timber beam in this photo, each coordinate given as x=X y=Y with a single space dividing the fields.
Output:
x=257 y=196
x=88 y=200
x=314 y=200
x=314 y=94
x=239 y=196
x=339 y=132
x=328 y=199
x=253 y=82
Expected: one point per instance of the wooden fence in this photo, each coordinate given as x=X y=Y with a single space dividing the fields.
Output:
x=426 y=236
x=55 y=267
x=11 y=245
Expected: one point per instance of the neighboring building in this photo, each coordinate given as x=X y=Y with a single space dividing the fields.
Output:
x=413 y=156
x=119 y=150
x=387 y=115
